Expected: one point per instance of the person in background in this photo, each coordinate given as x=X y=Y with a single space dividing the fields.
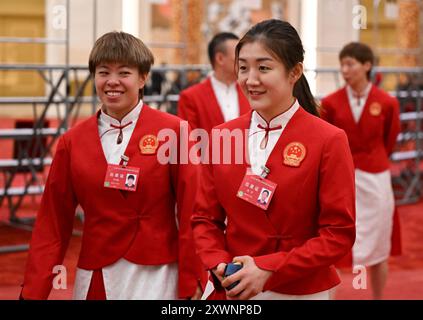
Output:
x=218 y=98
x=370 y=118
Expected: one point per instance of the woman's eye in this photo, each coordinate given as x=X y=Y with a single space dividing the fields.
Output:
x=264 y=68
x=102 y=73
x=242 y=68
x=125 y=73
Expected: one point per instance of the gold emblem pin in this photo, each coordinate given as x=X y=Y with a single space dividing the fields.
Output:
x=375 y=109
x=293 y=154
x=148 y=144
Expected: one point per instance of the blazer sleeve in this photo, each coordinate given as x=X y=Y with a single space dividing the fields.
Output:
x=335 y=221
x=392 y=126
x=53 y=227
x=185 y=178
x=187 y=110
x=208 y=222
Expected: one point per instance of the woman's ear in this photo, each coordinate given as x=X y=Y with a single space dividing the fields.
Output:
x=142 y=80
x=367 y=65
x=296 y=72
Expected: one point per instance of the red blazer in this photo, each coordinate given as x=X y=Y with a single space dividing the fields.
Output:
x=138 y=226
x=373 y=138
x=310 y=222
x=198 y=105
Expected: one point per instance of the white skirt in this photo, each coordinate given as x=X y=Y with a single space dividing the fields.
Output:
x=374 y=217
x=124 y=280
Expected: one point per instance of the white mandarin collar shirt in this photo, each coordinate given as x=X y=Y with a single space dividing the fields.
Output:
x=357 y=104
x=227 y=97
x=109 y=135
x=258 y=156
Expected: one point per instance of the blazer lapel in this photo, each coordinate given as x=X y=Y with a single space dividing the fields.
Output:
x=366 y=112
x=93 y=162
x=146 y=125
x=237 y=170
x=95 y=150
x=347 y=108
x=133 y=145
x=212 y=105
x=288 y=135
x=352 y=127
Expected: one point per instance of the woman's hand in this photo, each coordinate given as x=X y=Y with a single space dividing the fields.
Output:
x=252 y=280
x=219 y=271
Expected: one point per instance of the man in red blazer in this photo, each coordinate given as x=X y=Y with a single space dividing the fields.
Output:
x=218 y=98
x=370 y=118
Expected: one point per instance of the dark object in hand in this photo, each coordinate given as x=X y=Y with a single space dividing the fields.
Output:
x=230 y=269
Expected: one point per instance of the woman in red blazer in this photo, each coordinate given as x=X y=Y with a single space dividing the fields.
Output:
x=132 y=245
x=287 y=246
x=370 y=118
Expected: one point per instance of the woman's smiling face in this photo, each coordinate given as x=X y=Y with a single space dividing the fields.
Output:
x=264 y=79
x=118 y=87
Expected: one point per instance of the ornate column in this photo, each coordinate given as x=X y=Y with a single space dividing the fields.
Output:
x=186 y=26
x=408 y=35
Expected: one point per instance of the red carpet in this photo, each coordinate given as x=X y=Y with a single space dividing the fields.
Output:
x=13 y=264
x=405 y=279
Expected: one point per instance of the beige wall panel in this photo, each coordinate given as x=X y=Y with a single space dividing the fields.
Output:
x=17 y=23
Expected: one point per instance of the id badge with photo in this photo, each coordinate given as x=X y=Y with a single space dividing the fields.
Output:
x=256 y=190
x=122 y=178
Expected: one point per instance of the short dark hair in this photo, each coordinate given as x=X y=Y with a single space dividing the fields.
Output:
x=131 y=176
x=121 y=47
x=266 y=192
x=359 y=51
x=217 y=44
